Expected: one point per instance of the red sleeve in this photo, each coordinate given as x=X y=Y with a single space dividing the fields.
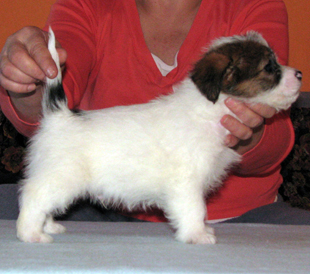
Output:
x=8 y=109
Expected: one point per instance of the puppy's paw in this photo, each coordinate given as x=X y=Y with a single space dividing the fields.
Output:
x=202 y=237
x=54 y=228
x=210 y=230
x=35 y=237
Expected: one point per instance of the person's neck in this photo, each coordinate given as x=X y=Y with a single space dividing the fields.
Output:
x=169 y=7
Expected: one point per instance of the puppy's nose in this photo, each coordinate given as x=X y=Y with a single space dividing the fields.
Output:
x=298 y=75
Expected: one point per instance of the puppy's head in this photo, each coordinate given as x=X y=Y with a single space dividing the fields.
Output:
x=246 y=68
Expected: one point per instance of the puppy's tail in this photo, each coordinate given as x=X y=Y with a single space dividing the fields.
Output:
x=54 y=97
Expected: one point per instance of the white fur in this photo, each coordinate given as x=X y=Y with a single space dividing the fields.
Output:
x=251 y=35
x=168 y=153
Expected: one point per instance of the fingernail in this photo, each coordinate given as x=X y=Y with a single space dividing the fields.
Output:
x=31 y=87
x=50 y=73
x=231 y=102
x=227 y=141
x=224 y=120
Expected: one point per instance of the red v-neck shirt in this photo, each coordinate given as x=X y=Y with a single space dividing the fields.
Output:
x=110 y=64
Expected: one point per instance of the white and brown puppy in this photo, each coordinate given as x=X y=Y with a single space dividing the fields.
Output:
x=167 y=153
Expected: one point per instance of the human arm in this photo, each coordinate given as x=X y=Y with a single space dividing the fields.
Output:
x=75 y=24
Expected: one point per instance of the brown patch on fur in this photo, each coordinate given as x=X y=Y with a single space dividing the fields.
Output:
x=208 y=74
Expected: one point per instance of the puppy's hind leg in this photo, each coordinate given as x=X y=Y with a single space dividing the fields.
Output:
x=51 y=227
x=32 y=216
x=37 y=202
x=187 y=210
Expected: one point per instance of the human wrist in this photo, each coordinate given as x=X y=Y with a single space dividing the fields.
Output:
x=244 y=146
x=27 y=105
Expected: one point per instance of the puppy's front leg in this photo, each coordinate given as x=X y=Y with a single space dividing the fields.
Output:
x=186 y=210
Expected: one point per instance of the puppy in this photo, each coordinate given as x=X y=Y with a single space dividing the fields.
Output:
x=168 y=153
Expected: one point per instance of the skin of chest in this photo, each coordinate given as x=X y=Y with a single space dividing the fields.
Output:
x=166 y=29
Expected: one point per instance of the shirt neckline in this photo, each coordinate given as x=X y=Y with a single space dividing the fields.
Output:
x=164 y=68
x=185 y=54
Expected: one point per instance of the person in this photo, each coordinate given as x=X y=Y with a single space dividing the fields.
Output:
x=129 y=52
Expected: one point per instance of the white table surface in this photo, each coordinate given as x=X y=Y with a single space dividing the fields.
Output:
x=150 y=248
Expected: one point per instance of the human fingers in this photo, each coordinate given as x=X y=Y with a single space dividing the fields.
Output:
x=33 y=44
x=251 y=116
x=62 y=53
x=15 y=86
x=19 y=82
x=238 y=130
x=231 y=140
x=241 y=128
x=12 y=78
x=263 y=110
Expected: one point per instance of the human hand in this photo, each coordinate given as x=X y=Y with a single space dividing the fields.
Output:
x=25 y=60
x=247 y=133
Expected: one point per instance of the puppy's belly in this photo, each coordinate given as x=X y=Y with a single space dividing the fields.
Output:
x=136 y=180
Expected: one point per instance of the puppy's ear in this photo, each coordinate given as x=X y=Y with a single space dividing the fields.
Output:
x=208 y=74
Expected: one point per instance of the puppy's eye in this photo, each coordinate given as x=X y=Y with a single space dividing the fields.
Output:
x=270 y=67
